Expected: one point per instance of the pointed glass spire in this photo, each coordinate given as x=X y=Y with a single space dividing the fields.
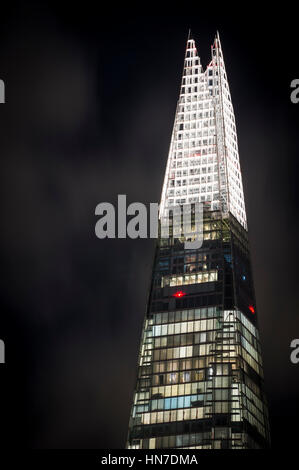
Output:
x=203 y=162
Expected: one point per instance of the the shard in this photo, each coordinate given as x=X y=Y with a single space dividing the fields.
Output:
x=199 y=375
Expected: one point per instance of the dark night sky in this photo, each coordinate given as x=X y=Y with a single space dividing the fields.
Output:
x=91 y=97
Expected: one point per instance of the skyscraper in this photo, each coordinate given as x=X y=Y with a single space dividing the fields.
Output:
x=200 y=376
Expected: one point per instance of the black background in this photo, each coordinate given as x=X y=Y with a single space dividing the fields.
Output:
x=90 y=100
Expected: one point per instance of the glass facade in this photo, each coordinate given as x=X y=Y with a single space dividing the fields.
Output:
x=200 y=377
x=203 y=162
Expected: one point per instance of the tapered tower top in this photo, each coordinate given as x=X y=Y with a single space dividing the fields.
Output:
x=203 y=162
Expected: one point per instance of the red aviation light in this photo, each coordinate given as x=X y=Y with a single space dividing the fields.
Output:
x=179 y=294
x=251 y=308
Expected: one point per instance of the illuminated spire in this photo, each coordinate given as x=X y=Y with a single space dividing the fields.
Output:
x=203 y=162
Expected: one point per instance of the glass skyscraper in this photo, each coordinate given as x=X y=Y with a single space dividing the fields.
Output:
x=200 y=376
